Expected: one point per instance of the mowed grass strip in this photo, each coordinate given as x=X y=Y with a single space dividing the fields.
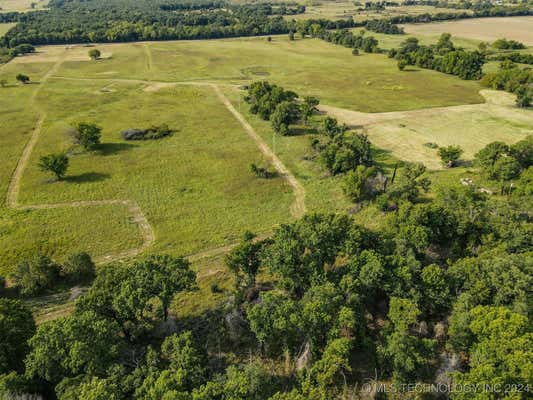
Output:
x=99 y=230
x=369 y=82
x=195 y=187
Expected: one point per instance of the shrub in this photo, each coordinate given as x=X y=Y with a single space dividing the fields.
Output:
x=34 y=276
x=153 y=133
x=78 y=268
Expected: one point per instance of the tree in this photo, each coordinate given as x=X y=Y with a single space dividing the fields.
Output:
x=356 y=183
x=23 y=78
x=308 y=108
x=36 y=275
x=488 y=155
x=80 y=344
x=522 y=151
x=500 y=355
x=16 y=328
x=402 y=64
x=244 y=261
x=523 y=97
x=79 y=267
x=162 y=276
x=55 y=163
x=94 y=54
x=450 y=154
x=286 y=113
x=87 y=134
x=331 y=127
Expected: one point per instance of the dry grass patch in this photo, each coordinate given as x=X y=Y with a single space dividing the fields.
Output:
x=486 y=29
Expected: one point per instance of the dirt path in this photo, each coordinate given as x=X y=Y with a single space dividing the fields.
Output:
x=149 y=59
x=298 y=207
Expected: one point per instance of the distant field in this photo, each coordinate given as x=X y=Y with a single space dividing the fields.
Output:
x=21 y=5
x=4 y=28
x=486 y=29
x=370 y=82
x=343 y=9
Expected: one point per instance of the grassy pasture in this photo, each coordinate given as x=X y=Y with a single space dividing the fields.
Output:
x=484 y=29
x=195 y=187
x=369 y=83
x=98 y=230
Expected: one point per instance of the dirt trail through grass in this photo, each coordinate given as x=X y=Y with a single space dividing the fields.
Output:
x=298 y=207
x=133 y=208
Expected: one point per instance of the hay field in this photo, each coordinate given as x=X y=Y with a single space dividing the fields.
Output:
x=22 y=5
x=369 y=83
x=485 y=29
x=405 y=134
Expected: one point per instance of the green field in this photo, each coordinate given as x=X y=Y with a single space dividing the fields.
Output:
x=369 y=83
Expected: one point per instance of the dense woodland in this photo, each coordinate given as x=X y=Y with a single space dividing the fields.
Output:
x=75 y=21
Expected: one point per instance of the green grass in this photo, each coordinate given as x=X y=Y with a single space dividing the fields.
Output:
x=195 y=187
x=5 y=27
x=370 y=82
x=99 y=230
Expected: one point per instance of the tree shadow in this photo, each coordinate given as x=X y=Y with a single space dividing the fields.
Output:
x=87 y=177
x=107 y=149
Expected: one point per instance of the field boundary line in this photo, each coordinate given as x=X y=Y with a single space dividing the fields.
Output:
x=146 y=230
x=298 y=207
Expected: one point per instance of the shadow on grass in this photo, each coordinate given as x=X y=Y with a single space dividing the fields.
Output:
x=87 y=177
x=107 y=149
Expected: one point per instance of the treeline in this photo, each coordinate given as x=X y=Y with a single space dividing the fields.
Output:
x=511 y=78
x=76 y=21
x=442 y=57
x=197 y=5
x=521 y=58
x=384 y=26
x=347 y=38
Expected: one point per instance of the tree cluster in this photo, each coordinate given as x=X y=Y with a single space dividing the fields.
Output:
x=442 y=57
x=504 y=44
x=40 y=273
x=280 y=106
x=504 y=163
x=384 y=26
x=511 y=78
